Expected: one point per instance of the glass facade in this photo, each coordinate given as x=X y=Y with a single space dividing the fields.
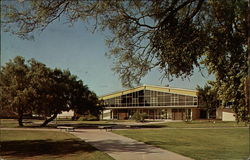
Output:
x=144 y=98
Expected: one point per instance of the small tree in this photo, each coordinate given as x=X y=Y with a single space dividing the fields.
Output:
x=139 y=117
x=208 y=99
x=15 y=89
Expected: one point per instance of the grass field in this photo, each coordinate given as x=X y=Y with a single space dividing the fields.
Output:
x=197 y=139
x=200 y=124
x=11 y=123
x=46 y=145
x=200 y=144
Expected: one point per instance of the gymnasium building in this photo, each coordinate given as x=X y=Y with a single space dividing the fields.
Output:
x=156 y=101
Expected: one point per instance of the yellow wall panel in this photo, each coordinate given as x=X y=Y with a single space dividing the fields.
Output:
x=153 y=88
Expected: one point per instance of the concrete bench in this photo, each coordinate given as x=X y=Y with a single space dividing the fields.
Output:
x=66 y=128
x=128 y=126
x=106 y=128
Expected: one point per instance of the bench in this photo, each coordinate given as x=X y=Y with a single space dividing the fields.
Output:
x=128 y=126
x=105 y=127
x=66 y=128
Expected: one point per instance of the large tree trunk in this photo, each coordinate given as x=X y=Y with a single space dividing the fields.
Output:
x=248 y=77
x=49 y=120
x=20 y=120
x=20 y=117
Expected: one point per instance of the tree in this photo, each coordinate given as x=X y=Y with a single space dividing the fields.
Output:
x=15 y=88
x=83 y=100
x=171 y=35
x=57 y=94
x=93 y=106
x=208 y=100
x=36 y=89
x=44 y=86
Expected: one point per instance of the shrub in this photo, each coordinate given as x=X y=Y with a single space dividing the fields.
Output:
x=139 y=117
x=87 y=118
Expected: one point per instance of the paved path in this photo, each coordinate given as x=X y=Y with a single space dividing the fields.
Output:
x=123 y=148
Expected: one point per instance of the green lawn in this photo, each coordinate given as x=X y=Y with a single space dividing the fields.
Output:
x=46 y=145
x=216 y=142
x=11 y=123
x=200 y=144
x=200 y=124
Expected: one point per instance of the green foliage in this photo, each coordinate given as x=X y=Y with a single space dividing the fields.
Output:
x=233 y=91
x=207 y=97
x=173 y=36
x=36 y=89
x=139 y=117
x=15 y=88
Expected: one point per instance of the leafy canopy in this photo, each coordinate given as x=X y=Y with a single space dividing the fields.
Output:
x=208 y=98
x=36 y=89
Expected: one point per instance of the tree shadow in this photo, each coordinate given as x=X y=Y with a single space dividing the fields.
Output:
x=162 y=143
x=88 y=126
x=148 y=126
x=115 y=126
x=96 y=125
x=118 y=146
x=30 y=148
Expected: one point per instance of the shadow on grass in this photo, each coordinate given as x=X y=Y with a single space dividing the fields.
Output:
x=160 y=143
x=120 y=146
x=148 y=126
x=115 y=126
x=78 y=125
x=94 y=126
x=87 y=126
x=30 y=148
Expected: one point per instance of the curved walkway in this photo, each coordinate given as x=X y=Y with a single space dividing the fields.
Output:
x=123 y=148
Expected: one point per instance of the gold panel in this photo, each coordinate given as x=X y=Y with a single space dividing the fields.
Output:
x=153 y=88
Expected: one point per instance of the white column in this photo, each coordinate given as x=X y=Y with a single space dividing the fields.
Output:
x=191 y=114
x=112 y=114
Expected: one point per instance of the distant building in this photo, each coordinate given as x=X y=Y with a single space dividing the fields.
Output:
x=228 y=115
x=66 y=114
x=225 y=113
x=157 y=102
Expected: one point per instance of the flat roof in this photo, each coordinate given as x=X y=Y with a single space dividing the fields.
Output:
x=180 y=91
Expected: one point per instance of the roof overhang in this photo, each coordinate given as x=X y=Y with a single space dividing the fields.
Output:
x=152 y=107
x=179 y=91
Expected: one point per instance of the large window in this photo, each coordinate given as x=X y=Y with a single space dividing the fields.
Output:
x=150 y=98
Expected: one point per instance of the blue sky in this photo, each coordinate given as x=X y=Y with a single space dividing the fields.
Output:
x=83 y=53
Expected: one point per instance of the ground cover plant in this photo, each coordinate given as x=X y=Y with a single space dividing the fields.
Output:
x=200 y=144
x=49 y=145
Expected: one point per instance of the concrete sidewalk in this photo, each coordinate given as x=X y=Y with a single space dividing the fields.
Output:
x=123 y=148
